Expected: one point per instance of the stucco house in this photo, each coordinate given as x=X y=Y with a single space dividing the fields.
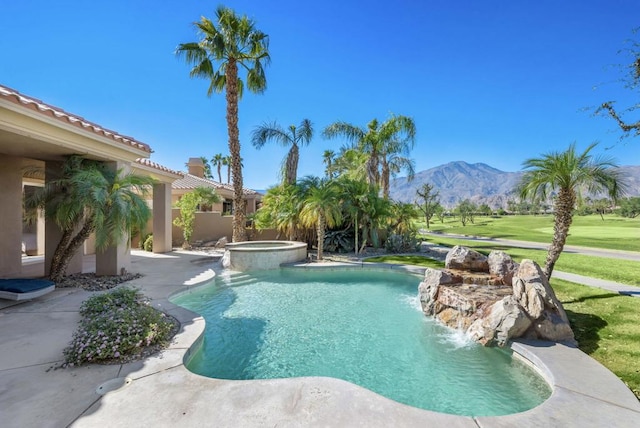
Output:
x=36 y=134
x=212 y=222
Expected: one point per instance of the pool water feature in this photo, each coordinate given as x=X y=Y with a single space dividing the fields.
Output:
x=361 y=326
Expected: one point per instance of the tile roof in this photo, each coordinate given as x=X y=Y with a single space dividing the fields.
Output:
x=36 y=105
x=189 y=182
x=151 y=164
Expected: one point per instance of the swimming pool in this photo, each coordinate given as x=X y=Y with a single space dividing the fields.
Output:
x=362 y=326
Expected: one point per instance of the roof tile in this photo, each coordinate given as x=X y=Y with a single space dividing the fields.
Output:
x=57 y=113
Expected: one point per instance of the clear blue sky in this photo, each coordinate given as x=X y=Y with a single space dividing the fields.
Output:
x=494 y=81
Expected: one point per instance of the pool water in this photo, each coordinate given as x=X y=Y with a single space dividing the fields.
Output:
x=362 y=326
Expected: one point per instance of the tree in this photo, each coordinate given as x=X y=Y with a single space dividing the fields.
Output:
x=293 y=136
x=280 y=210
x=485 y=210
x=630 y=207
x=230 y=42
x=90 y=197
x=466 y=210
x=207 y=168
x=367 y=212
x=218 y=161
x=429 y=201
x=188 y=205
x=567 y=173
x=440 y=212
x=386 y=146
x=632 y=81
x=226 y=161
x=321 y=209
x=327 y=158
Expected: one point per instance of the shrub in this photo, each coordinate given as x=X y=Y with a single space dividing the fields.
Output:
x=148 y=244
x=114 y=326
x=402 y=243
x=339 y=241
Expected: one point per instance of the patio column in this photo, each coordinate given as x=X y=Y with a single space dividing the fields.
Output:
x=162 y=218
x=10 y=216
x=53 y=234
x=115 y=259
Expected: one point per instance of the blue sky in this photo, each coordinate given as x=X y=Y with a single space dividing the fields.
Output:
x=494 y=81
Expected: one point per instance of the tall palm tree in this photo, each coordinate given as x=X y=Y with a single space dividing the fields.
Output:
x=321 y=209
x=226 y=161
x=230 y=42
x=568 y=173
x=217 y=161
x=327 y=158
x=207 y=167
x=381 y=142
x=293 y=136
x=89 y=197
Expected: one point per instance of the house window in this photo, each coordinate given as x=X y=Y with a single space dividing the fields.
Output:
x=227 y=207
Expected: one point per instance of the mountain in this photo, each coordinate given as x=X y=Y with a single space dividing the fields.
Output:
x=477 y=182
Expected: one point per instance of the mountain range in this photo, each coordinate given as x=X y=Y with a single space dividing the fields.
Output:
x=478 y=182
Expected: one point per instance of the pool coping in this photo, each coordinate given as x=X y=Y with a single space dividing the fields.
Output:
x=584 y=393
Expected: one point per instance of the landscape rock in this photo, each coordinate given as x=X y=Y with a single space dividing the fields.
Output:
x=501 y=264
x=506 y=320
x=504 y=302
x=221 y=242
x=428 y=288
x=466 y=259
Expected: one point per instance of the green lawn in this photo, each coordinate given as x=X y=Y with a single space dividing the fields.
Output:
x=614 y=232
x=607 y=327
x=624 y=271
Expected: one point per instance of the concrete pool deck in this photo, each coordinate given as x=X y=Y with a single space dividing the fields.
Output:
x=160 y=391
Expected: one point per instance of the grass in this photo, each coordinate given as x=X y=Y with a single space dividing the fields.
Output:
x=407 y=260
x=614 y=233
x=607 y=327
x=624 y=271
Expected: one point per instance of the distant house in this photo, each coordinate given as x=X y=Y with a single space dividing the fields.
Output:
x=212 y=222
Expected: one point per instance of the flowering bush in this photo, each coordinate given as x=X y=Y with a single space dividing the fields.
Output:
x=116 y=325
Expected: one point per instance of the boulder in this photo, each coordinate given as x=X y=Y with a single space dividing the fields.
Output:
x=535 y=282
x=221 y=242
x=428 y=288
x=502 y=265
x=464 y=258
x=506 y=320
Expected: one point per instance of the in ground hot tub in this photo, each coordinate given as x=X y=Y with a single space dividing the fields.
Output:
x=260 y=255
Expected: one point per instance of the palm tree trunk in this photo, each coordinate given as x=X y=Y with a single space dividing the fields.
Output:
x=291 y=168
x=320 y=229
x=219 y=175
x=385 y=179
x=563 y=216
x=239 y=203
x=67 y=250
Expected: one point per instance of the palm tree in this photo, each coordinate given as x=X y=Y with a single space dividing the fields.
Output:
x=230 y=42
x=207 y=167
x=294 y=137
x=90 y=197
x=567 y=173
x=217 y=161
x=327 y=158
x=226 y=161
x=280 y=210
x=321 y=209
x=382 y=143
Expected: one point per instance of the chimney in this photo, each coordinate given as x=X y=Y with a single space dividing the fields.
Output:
x=196 y=167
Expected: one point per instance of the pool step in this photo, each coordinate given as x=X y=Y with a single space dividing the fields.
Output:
x=238 y=279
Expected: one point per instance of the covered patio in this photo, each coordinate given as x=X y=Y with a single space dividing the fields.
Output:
x=35 y=136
